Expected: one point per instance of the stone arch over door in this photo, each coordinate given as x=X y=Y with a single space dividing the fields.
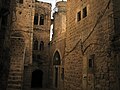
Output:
x=37 y=79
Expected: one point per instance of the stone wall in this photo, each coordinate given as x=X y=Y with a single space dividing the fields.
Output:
x=58 y=45
x=88 y=64
x=41 y=34
x=21 y=45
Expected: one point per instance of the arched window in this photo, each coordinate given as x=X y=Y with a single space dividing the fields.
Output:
x=41 y=19
x=41 y=46
x=36 y=19
x=56 y=58
x=35 y=45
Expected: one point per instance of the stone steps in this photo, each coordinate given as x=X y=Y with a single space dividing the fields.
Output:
x=15 y=77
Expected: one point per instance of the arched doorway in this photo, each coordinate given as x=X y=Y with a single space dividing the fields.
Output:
x=37 y=79
x=56 y=63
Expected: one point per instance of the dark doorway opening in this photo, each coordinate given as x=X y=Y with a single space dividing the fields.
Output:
x=56 y=77
x=37 y=78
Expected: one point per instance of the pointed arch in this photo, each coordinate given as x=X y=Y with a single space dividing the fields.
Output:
x=56 y=58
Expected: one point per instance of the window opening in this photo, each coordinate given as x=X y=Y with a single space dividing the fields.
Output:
x=84 y=12
x=36 y=19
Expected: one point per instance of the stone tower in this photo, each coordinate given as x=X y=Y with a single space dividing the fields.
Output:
x=41 y=39
x=21 y=45
x=58 y=45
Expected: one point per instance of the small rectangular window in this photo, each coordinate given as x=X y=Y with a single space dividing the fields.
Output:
x=84 y=12
x=90 y=63
x=79 y=16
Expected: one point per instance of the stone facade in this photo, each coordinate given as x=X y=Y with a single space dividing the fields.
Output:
x=83 y=53
x=27 y=60
x=58 y=45
x=90 y=62
x=21 y=37
x=41 y=39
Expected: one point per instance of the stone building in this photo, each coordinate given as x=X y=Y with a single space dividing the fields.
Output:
x=58 y=45
x=21 y=36
x=92 y=45
x=29 y=45
x=83 y=53
x=25 y=44
x=41 y=48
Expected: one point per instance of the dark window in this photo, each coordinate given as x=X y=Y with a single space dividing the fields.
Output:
x=90 y=63
x=36 y=19
x=41 y=46
x=84 y=12
x=42 y=19
x=56 y=58
x=35 y=46
x=21 y=1
x=79 y=16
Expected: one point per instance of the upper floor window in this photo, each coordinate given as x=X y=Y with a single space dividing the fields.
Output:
x=36 y=19
x=42 y=19
x=79 y=16
x=84 y=12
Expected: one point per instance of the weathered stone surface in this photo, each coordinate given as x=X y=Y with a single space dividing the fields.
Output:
x=91 y=36
x=58 y=45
